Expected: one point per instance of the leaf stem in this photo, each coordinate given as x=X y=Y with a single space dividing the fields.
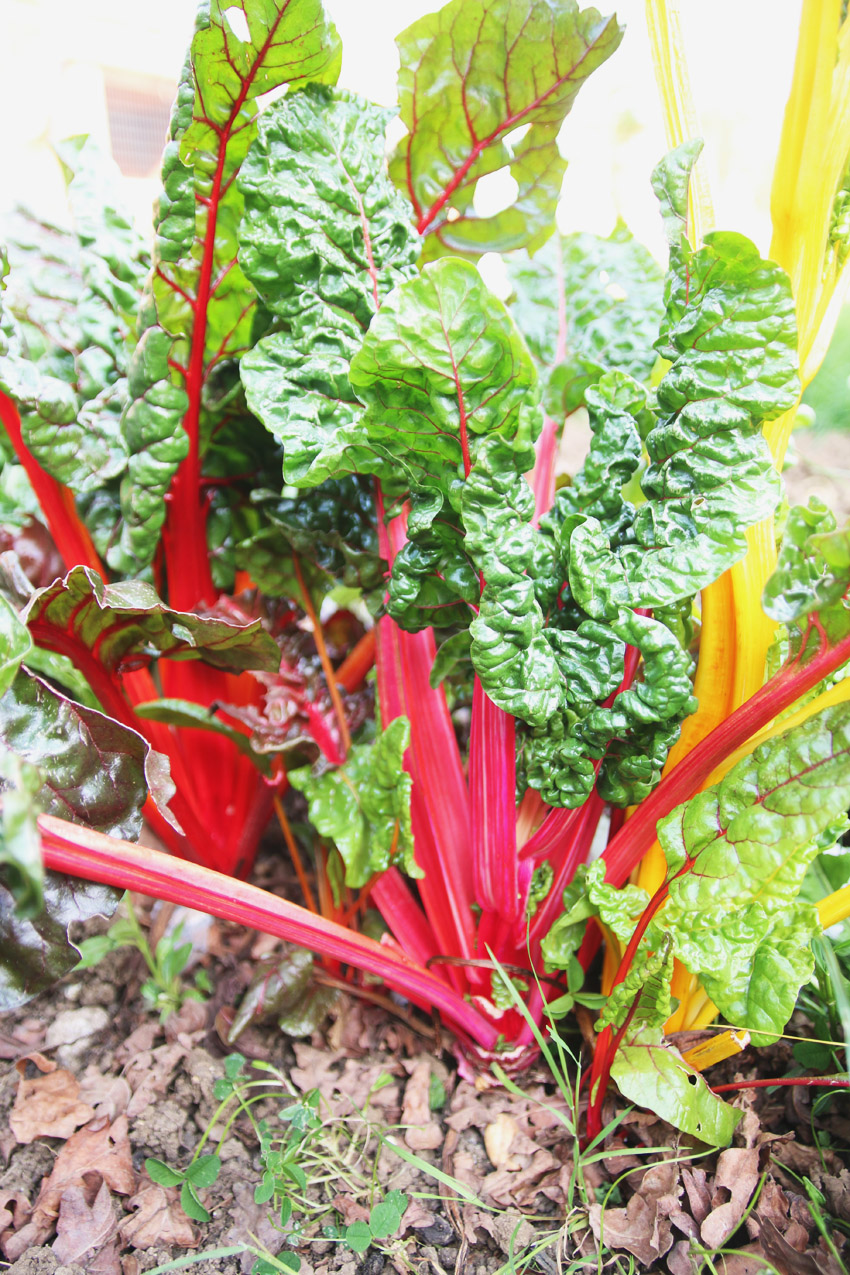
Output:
x=327 y=667
x=294 y=854
x=70 y=535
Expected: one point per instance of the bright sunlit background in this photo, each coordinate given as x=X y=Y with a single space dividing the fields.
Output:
x=108 y=67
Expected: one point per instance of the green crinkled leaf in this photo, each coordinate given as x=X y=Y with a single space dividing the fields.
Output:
x=156 y=442
x=365 y=805
x=325 y=237
x=441 y=367
x=653 y=1074
x=589 y=895
x=297 y=384
x=434 y=584
x=587 y=305
x=71 y=422
x=812 y=570
x=729 y=333
x=323 y=227
x=127 y=619
x=749 y=840
x=509 y=650
x=644 y=993
x=199 y=295
x=331 y=529
x=471 y=75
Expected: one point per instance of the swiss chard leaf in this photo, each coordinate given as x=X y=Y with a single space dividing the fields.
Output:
x=653 y=1074
x=331 y=528
x=200 y=295
x=730 y=334
x=94 y=771
x=587 y=305
x=325 y=237
x=473 y=75
x=741 y=850
x=365 y=805
x=123 y=620
x=812 y=571
x=510 y=653
x=441 y=368
x=36 y=952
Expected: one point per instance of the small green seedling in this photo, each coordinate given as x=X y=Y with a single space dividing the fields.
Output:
x=201 y=1173
x=384 y=1220
x=164 y=989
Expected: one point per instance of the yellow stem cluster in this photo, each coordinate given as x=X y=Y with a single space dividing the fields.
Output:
x=810 y=166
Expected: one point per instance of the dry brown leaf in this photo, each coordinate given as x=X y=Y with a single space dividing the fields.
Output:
x=109 y=1095
x=422 y=1133
x=791 y=1262
x=643 y=1226
x=498 y=1137
x=47 y=1105
x=17 y=1213
x=734 y=1183
x=99 y=1148
x=150 y=1074
x=158 y=1219
x=82 y=1227
x=699 y=1198
x=187 y=1024
x=138 y=1042
x=349 y=1209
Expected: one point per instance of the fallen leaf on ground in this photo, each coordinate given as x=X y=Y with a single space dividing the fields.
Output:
x=47 y=1105
x=791 y=1262
x=643 y=1227
x=498 y=1137
x=109 y=1095
x=158 y=1219
x=82 y=1227
x=99 y=1148
x=150 y=1074
x=734 y=1183
x=422 y=1132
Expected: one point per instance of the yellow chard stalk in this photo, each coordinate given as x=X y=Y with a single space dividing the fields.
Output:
x=809 y=180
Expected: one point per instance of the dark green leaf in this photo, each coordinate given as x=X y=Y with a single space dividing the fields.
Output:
x=191 y=1205
x=35 y=953
x=93 y=769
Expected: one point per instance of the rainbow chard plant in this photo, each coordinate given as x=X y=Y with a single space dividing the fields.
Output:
x=319 y=389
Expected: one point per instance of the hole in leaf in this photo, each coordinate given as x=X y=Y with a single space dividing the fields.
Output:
x=494 y=193
x=692 y=1080
x=494 y=272
x=515 y=136
x=238 y=23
